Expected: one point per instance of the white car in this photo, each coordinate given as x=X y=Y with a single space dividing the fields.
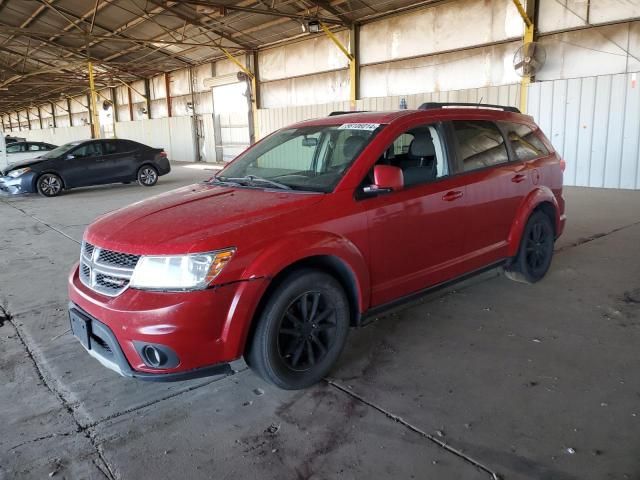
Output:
x=16 y=152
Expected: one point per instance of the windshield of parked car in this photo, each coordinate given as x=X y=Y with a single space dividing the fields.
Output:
x=58 y=152
x=306 y=158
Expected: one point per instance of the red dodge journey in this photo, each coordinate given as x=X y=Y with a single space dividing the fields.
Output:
x=310 y=231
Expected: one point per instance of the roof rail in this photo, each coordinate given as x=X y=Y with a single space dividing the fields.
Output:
x=333 y=114
x=434 y=105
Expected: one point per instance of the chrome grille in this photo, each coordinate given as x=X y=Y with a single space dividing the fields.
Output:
x=116 y=259
x=105 y=271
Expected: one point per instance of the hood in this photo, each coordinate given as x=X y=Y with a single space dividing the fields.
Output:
x=197 y=218
x=23 y=163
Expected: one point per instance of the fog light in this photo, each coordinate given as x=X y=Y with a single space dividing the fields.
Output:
x=153 y=357
x=156 y=355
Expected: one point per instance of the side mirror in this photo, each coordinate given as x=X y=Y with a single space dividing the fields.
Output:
x=386 y=179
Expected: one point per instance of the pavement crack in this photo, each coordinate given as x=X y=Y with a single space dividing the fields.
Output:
x=5 y=315
x=44 y=437
x=51 y=227
x=67 y=406
x=595 y=236
x=440 y=443
x=154 y=402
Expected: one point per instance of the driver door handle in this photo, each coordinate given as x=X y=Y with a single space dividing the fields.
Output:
x=452 y=195
x=518 y=178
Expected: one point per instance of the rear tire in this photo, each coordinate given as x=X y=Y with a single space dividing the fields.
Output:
x=49 y=185
x=535 y=252
x=147 y=176
x=301 y=331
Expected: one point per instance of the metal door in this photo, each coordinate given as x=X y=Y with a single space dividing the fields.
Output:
x=231 y=107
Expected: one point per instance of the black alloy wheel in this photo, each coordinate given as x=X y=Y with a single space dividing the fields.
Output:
x=307 y=330
x=147 y=176
x=49 y=185
x=300 y=331
x=536 y=250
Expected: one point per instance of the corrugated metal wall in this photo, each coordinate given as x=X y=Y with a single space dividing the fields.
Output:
x=274 y=118
x=594 y=123
x=175 y=135
x=58 y=136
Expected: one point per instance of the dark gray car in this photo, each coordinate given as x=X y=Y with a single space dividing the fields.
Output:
x=84 y=163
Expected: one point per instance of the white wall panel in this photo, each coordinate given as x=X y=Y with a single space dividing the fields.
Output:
x=318 y=54
x=452 y=25
x=557 y=15
x=174 y=134
x=611 y=10
x=596 y=51
x=319 y=88
x=58 y=136
x=594 y=124
x=474 y=68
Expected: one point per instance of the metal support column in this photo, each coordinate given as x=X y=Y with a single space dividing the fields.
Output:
x=28 y=119
x=528 y=15
x=114 y=102
x=167 y=89
x=130 y=97
x=147 y=97
x=93 y=104
x=40 y=117
x=53 y=113
x=69 y=111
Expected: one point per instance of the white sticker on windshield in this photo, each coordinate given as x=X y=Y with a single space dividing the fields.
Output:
x=359 y=126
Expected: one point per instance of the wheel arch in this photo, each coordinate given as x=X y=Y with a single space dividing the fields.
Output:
x=324 y=252
x=37 y=176
x=540 y=199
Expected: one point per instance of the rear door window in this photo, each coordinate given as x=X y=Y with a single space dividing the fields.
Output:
x=524 y=141
x=124 y=146
x=88 y=150
x=480 y=144
x=110 y=147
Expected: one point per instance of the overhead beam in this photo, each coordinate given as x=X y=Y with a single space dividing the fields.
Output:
x=140 y=41
x=272 y=12
x=171 y=6
x=326 y=5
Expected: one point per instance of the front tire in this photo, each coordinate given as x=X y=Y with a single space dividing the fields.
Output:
x=49 y=185
x=535 y=252
x=147 y=176
x=301 y=331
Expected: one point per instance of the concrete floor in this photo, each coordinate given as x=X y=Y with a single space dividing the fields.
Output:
x=489 y=379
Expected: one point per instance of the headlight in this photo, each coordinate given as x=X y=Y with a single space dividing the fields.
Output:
x=18 y=172
x=180 y=272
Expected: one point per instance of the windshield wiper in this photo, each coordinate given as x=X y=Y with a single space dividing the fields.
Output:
x=252 y=179
x=223 y=182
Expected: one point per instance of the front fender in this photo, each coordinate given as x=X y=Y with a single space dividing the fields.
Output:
x=291 y=249
x=529 y=204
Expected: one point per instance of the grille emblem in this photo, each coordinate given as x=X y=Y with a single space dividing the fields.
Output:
x=105 y=271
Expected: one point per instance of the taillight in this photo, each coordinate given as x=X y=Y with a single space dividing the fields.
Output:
x=163 y=154
x=563 y=164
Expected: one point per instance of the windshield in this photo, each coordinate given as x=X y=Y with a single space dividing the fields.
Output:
x=58 y=152
x=307 y=158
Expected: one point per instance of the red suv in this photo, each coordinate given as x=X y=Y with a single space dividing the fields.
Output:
x=310 y=231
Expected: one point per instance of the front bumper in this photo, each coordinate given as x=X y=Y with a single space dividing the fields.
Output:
x=15 y=186
x=100 y=342
x=205 y=329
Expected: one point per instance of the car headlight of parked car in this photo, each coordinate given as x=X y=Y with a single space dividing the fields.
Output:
x=180 y=272
x=19 y=172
